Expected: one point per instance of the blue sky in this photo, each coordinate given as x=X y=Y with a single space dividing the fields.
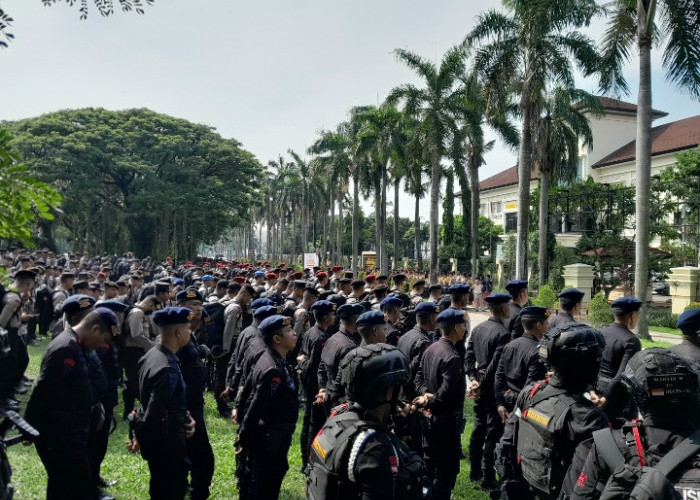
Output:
x=270 y=73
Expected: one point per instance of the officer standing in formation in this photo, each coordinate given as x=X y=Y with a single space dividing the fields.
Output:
x=570 y=303
x=689 y=348
x=519 y=297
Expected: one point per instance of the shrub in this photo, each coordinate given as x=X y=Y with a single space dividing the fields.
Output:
x=662 y=317
x=692 y=305
x=599 y=311
x=546 y=297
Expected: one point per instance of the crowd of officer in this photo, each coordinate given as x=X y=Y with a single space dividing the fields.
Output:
x=380 y=365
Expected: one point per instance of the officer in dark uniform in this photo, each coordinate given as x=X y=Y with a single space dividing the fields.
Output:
x=356 y=455
x=416 y=295
x=308 y=363
x=413 y=343
x=520 y=362
x=620 y=345
x=482 y=356
x=552 y=417
x=270 y=415
x=689 y=348
x=519 y=297
x=570 y=303
x=442 y=387
x=391 y=307
x=666 y=392
x=195 y=374
x=164 y=425
x=398 y=280
x=340 y=343
x=61 y=406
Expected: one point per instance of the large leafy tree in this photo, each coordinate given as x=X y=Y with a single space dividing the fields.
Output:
x=678 y=29
x=534 y=44
x=437 y=105
x=138 y=180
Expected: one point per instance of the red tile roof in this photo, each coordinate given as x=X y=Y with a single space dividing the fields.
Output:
x=667 y=138
x=506 y=178
x=614 y=105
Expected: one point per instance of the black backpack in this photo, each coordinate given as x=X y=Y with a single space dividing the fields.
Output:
x=213 y=330
x=642 y=482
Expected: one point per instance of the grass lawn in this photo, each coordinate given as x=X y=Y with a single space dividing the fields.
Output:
x=663 y=329
x=132 y=472
x=646 y=344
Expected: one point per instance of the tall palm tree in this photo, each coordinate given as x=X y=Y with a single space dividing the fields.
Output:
x=537 y=42
x=632 y=22
x=562 y=124
x=436 y=105
x=304 y=175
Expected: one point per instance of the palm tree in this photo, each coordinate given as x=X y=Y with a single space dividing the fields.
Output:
x=304 y=174
x=536 y=43
x=436 y=106
x=556 y=142
x=634 y=21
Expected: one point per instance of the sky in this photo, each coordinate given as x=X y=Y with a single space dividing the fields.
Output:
x=269 y=73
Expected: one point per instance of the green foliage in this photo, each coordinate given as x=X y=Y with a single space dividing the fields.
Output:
x=447 y=230
x=563 y=256
x=599 y=311
x=23 y=199
x=648 y=344
x=546 y=297
x=692 y=305
x=138 y=180
x=662 y=317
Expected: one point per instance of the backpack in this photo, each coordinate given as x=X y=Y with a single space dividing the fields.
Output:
x=641 y=482
x=213 y=330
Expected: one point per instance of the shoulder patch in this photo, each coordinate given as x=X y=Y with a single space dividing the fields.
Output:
x=69 y=362
x=537 y=417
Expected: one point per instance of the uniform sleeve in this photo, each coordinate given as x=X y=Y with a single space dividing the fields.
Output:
x=232 y=318
x=447 y=392
x=158 y=404
x=256 y=411
x=10 y=307
x=373 y=469
x=138 y=332
x=535 y=368
x=470 y=358
x=516 y=327
x=500 y=383
x=592 y=473
x=632 y=347
x=322 y=374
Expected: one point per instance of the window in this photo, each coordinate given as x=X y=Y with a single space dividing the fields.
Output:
x=511 y=222
x=496 y=207
x=579 y=168
x=482 y=210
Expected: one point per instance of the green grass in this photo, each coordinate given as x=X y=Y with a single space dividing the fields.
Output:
x=646 y=344
x=132 y=472
x=663 y=329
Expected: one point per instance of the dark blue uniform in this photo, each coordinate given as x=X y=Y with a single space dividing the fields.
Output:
x=413 y=344
x=513 y=323
x=335 y=349
x=161 y=432
x=620 y=345
x=520 y=364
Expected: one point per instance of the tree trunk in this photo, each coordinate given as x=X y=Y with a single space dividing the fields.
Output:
x=473 y=169
x=378 y=230
x=397 y=254
x=384 y=263
x=324 y=246
x=643 y=168
x=339 y=260
x=355 y=223
x=331 y=226
x=545 y=174
x=269 y=229
x=435 y=175
x=416 y=231
x=524 y=169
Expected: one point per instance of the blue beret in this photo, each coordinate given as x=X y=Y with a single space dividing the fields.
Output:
x=109 y=319
x=426 y=308
x=259 y=274
x=172 y=316
x=273 y=324
x=349 y=310
x=76 y=303
x=458 y=288
x=113 y=305
x=572 y=294
x=262 y=301
x=371 y=318
x=689 y=322
x=178 y=281
x=189 y=293
x=391 y=302
x=516 y=285
x=627 y=304
x=451 y=315
x=324 y=306
x=497 y=298
x=265 y=312
x=535 y=312
x=206 y=277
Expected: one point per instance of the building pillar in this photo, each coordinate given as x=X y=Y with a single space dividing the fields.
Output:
x=580 y=276
x=683 y=285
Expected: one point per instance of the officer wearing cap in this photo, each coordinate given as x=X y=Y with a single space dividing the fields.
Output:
x=59 y=295
x=302 y=321
x=441 y=384
x=270 y=415
x=482 y=357
x=308 y=362
x=620 y=345
x=435 y=291
x=163 y=426
x=340 y=343
x=372 y=327
x=416 y=295
x=391 y=307
x=246 y=336
x=519 y=297
x=570 y=303
x=61 y=406
x=398 y=280
x=414 y=342
x=689 y=348
x=358 y=291
x=520 y=362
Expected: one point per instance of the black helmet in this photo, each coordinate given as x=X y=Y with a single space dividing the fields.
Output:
x=368 y=371
x=661 y=382
x=574 y=351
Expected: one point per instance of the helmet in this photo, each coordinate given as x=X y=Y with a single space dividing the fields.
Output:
x=661 y=382
x=368 y=371
x=574 y=351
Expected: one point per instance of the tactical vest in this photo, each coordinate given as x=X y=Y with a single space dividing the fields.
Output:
x=541 y=420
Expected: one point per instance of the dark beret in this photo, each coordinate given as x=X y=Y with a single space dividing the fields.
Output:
x=349 y=310
x=113 y=305
x=263 y=312
x=76 y=303
x=627 y=304
x=172 y=316
x=534 y=312
x=497 y=298
x=189 y=293
x=573 y=294
x=371 y=318
x=272 y=324
x=324 y=306
x=452 y=316
x=689 y=322
x=458 y=288
x=261 y=302
x=426 y=308
x=391 y=302
x=515 y=285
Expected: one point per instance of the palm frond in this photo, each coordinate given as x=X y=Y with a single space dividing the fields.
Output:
x=681 y=57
